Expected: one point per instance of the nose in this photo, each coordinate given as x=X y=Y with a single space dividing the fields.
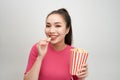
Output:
x=52 y=30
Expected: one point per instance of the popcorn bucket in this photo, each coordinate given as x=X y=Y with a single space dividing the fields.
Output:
x=78 y=57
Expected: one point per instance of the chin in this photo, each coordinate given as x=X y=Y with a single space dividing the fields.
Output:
x=54 y=42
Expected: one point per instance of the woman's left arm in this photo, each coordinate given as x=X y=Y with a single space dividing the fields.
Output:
x=83 y=73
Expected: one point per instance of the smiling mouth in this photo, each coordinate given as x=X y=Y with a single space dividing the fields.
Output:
x=53 y=37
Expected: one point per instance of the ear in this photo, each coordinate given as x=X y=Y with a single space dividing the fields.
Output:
x=67 y=30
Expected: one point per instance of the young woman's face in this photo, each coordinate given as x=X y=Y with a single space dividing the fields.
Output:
x=56 y=28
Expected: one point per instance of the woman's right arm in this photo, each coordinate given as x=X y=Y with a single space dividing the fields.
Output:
x=33 y=73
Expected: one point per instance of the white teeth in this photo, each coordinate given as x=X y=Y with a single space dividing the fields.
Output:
x=52 y=36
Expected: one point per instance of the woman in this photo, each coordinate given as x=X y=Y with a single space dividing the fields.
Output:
x=50 y=58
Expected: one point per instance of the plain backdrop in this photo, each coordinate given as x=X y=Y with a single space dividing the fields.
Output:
x=96 y=28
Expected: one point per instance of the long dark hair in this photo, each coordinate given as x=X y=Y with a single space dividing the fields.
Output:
x=64 y=13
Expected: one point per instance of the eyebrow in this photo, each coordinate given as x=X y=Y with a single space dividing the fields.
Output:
x=58 y=23
x=54 y=23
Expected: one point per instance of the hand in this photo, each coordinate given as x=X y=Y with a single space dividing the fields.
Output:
x=83 y=73
x=42 y=46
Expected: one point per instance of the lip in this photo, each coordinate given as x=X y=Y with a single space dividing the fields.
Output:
x=53 y=37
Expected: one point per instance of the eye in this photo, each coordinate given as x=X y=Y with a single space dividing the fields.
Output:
x=58 y=26
x=48 y=26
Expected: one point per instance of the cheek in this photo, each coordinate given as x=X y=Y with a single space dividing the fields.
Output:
x=62 y=31
x=46 y=31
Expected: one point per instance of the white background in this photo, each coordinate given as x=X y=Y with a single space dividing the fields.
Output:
x=96 y=26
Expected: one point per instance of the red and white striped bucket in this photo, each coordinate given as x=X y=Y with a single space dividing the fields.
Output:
x=78 y=57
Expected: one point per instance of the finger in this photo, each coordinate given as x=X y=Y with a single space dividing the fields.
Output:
x=84 y=69
x=82 y=74
x=48 y=39
x=84 y=65
x=44 y=41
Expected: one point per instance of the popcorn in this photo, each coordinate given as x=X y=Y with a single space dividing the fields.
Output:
x=78 y=57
